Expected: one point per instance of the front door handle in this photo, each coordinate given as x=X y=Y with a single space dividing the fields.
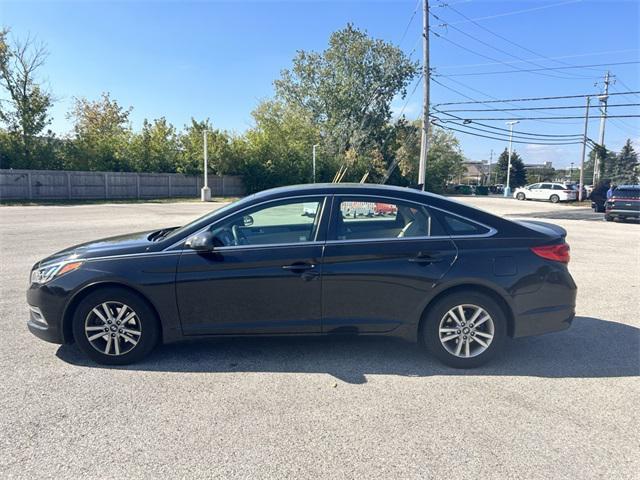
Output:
x=299 y=267
x=426 y=258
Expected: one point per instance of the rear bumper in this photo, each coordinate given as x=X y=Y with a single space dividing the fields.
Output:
x=549 y=309
x=618 y=212
x=544 y=320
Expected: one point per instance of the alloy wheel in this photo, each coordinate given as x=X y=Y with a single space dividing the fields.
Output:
x=466 y=331
x=113 y=328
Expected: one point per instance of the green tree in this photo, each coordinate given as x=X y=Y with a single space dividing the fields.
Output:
x=625 y=166
x=278 y=149
x=155 y=148
x=24 y=112
x=348 y=88
x=220 y=149
x=102 y=135
x=518 y=175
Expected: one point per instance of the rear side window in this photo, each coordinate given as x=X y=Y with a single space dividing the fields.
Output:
x=461 y=226
x=559 y=187
x=361 y=218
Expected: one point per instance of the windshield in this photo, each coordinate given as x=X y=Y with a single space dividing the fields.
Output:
x=207 y=217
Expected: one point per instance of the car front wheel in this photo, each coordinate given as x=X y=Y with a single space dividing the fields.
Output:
x=114 y=326
x=465 y=329
x=521 y=196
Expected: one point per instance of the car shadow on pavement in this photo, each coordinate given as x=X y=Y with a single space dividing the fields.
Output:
x=591 y=348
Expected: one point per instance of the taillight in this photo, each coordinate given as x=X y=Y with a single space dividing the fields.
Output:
x=557 y=253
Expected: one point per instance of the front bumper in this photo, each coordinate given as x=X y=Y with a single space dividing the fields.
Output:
x=46 y=307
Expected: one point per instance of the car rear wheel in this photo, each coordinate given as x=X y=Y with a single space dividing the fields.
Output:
x=465 y=329
x=554 y=198
x=114 y=326
x=521 y=196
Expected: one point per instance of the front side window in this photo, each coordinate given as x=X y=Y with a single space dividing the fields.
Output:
x=284 y=222
x=546 y=186
x=357 y=218
x=534 y=186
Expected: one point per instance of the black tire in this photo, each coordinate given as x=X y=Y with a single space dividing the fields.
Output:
x=521 y=196
x=148 y=324
x=436 y=313
x=554 y=198
x=607 y=218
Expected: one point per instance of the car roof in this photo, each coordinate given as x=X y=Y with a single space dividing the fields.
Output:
x=338 y=188
x=629 y=187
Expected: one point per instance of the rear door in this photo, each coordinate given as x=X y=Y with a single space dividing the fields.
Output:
x=382 y=258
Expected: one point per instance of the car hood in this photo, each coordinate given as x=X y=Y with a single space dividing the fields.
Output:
x=105 y=247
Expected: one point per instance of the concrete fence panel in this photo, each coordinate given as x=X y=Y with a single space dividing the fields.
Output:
x=71 y=185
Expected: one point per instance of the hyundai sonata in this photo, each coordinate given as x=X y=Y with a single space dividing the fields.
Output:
x=312 y=260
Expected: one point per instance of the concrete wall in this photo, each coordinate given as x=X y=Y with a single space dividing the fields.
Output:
x=64 y=185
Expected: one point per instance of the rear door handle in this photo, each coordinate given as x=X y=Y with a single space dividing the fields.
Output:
x=299 y=266
x=426 y=258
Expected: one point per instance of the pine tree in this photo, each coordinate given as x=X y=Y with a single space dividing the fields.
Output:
x=518 y=175
x=625 y=168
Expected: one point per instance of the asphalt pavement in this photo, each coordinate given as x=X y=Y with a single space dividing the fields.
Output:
x=563 y=405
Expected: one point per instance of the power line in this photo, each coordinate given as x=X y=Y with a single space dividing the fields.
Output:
x=505 y=136
x=503 y=139
x=545 y=118
x=500 y=49
x=515 y=69
x=413 y=15
x=492 y=97
x=609 y=52
x=516 y=12
x=505 y=39
x=506 y=129
x=523 y=70
x=539 y=108
x=531 y=99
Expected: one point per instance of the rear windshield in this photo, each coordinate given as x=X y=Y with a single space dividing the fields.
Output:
x=627 y=192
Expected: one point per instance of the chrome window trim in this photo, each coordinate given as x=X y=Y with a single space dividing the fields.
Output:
x=323 y=196
x=491 y=231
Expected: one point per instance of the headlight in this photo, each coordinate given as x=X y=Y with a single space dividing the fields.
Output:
x=45 y=274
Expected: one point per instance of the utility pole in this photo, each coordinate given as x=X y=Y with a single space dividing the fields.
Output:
x=490 y=161
x=314 y=163
x=507 y=188
x=205 y=193
x=603 y=118
x=424 y=145
x=584 y=149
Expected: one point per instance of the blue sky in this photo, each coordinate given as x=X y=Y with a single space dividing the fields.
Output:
x=218 y=59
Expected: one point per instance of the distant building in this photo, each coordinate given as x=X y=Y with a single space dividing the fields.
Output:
x=476 y=173
x=537 y=172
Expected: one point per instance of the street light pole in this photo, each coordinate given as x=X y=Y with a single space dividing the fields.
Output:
x=205 y=193
x=507 y=188
x=314 y=163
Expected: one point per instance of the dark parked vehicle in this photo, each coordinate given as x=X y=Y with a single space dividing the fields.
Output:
x=454 y=278
x=623 y=204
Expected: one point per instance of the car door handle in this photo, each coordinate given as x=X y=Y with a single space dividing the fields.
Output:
x=299 y=267
x=426 y=258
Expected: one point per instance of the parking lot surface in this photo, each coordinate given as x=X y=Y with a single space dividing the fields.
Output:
x=559 y=406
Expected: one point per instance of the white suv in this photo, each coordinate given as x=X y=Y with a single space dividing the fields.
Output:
x=553 y=192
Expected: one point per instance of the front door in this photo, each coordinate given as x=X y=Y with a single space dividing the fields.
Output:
x=381 y=260
x=264 y=277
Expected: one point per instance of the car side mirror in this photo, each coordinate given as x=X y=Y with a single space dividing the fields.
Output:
x=247 y=220
x=201 y=242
